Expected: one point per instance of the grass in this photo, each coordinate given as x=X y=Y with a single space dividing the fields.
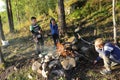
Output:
x=2 y=66
x=23 y=74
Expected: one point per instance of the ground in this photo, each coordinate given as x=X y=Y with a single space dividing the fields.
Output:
x=20 y=54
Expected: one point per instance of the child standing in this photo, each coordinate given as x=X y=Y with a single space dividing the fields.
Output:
x=54 y=31
x=109 y=52
x=37 y=34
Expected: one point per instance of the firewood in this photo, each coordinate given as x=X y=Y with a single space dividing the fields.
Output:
x=62 y=51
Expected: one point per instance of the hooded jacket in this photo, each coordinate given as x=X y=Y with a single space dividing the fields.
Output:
x=111 y=51
x=54 y=29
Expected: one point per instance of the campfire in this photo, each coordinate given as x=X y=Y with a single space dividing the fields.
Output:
x=62 y=51
x=56 y=62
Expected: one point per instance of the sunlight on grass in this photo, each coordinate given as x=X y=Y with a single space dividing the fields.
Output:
x=22 y=74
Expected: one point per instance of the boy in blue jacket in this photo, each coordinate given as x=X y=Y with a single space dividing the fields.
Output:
x=109 y=52
x=54 y=31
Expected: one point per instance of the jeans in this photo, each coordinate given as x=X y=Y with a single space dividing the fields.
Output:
x=39 y=45
x=108 y=63
x=55 y=38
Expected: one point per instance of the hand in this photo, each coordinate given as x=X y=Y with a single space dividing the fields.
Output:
x=39 y=32
x=95 y=61
x=35 y=39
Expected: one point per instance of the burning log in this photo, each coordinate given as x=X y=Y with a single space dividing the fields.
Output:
x=62 y=51
x=68 y=60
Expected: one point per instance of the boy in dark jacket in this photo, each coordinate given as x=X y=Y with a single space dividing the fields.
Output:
x=109 y=52
x=37 y=34
x=54 y=31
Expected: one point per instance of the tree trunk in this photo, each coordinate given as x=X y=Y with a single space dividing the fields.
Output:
x=61 y=15
x=114 y=23
x=10 y=15
x=1 y=57
x=1 y=30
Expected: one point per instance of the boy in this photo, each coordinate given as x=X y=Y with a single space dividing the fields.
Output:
x=54 y=31
x=37 y=34
x=109 y=52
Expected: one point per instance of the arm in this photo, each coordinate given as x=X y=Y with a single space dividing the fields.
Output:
x=31 y=29
x=57 y=29
x=98 y=58
x=51 y=27
x=40 y=30
x=107 y=50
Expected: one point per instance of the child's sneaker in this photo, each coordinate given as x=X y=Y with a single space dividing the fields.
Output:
x=105 y=72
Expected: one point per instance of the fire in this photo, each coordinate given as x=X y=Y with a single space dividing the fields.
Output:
x=62 y=51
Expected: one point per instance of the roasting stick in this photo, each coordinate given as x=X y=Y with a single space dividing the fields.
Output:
x=84 y=40
x=81 y=55
x=79 y=37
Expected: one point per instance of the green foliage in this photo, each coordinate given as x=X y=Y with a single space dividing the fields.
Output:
x=52 y=4
x=24 y=9
x=76 y=14
x=3 y=15
x=2 y=66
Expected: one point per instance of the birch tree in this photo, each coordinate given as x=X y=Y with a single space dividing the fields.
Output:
x=114 y=22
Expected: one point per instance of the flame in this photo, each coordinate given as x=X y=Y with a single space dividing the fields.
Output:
x=62 y=51
x=60 y=47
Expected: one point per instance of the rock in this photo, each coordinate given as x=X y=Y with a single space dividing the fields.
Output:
x=39 y=71
x=75 y=41
x=36 y=66
x=29 y=76
x=58 y=72
x=15 y=68
x=74 y=47
x=76 y=58
x=47 y=58
x=44 y=66
x=53 y=63
x=50 y=54
x=72 y=62
x=44 y=72
x=84 y=49
x=68 y=63
x=71 y=39
x=5 y=43
x=40 y=55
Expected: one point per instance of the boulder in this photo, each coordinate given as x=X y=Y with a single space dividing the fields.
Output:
x=36 y=66
x=68 y=63
x=84 y=49
x=29 y=76
x=5 y=43
x=71 y=39
x=44 y=72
